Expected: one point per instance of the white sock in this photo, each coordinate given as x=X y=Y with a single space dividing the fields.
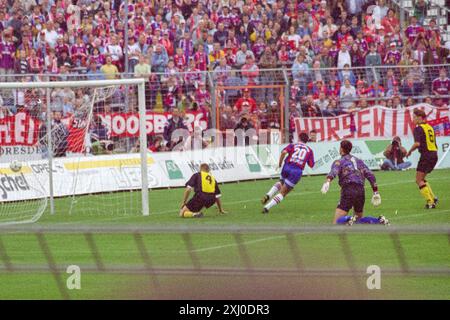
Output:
x=276 y=200
x=275 y=188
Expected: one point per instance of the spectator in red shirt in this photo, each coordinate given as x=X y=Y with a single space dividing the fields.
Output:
x=250 y=71
x=34 y=62
x=361 y=90
x=390 y=22
x=283 y=56
x=247 y=99
x=441 y=86
x=158 y=145
x=201 y=58
x=202 y=96
x=433 y=31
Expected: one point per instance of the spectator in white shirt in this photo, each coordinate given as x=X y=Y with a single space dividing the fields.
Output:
x=379 y=12
x=114 y=50
x=242 y=54
x=344 y=57
x=50 y=34
x=347 y=94
x=355 y=6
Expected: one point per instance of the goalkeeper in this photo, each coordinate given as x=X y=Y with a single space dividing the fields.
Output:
x=352 y=173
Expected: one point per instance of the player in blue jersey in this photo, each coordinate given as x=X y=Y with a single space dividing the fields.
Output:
x=298 y=155
x=352 y=173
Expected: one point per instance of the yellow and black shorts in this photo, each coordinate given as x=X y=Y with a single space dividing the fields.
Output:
x=427 y=162
x=200 y=200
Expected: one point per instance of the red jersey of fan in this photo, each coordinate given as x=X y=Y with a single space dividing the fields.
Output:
x=250 y=101
x=77 y=133
x=180 y=62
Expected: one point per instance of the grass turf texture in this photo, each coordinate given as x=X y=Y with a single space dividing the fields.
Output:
x=304 y=206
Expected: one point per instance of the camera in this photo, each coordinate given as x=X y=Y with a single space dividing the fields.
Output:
x=395 y=143
x=108 y=145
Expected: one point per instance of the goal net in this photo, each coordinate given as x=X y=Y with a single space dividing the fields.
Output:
x=59 y=154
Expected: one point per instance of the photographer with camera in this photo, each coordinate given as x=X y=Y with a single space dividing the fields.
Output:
x=100 y=142
x=174 y=123
x=395 y=153
x=241 y=128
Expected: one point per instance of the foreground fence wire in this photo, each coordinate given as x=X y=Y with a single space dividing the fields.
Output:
x=246 y=267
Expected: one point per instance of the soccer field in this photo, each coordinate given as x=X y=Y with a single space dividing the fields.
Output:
x=305 y=206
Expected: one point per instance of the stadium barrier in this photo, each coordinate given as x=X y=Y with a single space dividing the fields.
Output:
x=244 y=265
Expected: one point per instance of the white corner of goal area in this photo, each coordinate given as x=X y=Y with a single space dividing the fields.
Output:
x=59 y=84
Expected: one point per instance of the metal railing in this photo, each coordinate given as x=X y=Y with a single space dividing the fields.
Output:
x=245 y=266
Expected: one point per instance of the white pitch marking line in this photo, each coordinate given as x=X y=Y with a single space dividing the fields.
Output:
x=234 y=244
x=429 y=212
x=18 y=253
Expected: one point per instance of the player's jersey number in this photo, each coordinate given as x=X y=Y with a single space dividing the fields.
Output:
x=430 y=137
x=299 y=155
x=208 y=183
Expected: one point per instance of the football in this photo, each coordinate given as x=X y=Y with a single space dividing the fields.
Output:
x=15 y=166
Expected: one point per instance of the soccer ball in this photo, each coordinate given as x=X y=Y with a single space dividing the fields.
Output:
x=15 y=166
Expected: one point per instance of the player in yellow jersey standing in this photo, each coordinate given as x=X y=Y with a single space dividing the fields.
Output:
x=425 y=141
x=207 y=193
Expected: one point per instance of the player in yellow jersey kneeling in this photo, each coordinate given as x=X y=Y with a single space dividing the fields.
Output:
x=207 y=193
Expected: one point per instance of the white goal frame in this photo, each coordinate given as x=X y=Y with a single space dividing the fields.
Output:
x=139 y=82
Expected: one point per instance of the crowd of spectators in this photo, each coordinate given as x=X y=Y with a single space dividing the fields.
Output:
x=327 y=47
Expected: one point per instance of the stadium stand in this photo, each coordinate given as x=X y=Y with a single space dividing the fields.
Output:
x=238 y=58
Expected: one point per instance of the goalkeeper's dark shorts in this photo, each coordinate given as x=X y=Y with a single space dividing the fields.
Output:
x=352 y=196
x=200 y=201
x=427 y=162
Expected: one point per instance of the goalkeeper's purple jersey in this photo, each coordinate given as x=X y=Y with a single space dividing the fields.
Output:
x=299 y=154
x=351 y=170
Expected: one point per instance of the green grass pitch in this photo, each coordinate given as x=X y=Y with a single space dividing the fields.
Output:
x=305 y=206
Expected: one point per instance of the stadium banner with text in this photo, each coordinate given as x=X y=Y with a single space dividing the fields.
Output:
x=20 y=133
x=371 y=152
x=19 y=130
x=127 y=124
x=121 y=172
x=326 y=153
x=372 y=123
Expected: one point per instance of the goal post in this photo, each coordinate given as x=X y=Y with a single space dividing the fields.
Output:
x=51 y=128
